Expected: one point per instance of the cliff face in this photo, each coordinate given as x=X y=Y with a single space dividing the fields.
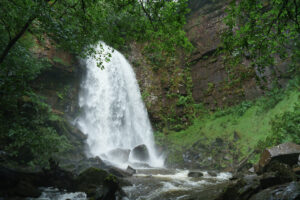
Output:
x=165 y=88
x=203 y=74
x=214 y=84
x=211 y=79
x=59 y=85
x=198 y=78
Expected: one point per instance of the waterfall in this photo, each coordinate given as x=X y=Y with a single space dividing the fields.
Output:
x=113 y=114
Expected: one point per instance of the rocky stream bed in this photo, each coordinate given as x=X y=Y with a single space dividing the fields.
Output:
x=275 y=177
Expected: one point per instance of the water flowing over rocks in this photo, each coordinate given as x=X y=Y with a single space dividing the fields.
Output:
x=120 y=154
x=195 y=174
x=114 y=116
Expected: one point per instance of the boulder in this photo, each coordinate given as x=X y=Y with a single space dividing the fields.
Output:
x=282 y=170
x=97 y=184
x=289 y=191
x=120 y=154
x=141 y=153
x=130 y=170
x=91 y=176
x=212 y=173
x=119 y=172
x=80 y=166
x=241 y=188
x=270 y=179
x=287 y=153
x=195 y=174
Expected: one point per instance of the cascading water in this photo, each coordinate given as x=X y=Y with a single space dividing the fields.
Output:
x=114 y=116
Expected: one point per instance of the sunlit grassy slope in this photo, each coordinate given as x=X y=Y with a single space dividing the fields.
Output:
x=250 y=122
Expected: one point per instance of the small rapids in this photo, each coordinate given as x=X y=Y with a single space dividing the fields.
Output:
x=55 y=194
x=167 y=184
x=158 y=184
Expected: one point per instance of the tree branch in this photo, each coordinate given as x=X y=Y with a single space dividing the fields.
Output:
x=147 y=14
x=13 y=41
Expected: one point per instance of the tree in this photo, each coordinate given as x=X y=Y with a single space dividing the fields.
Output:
x=263 y=32
x=76 y=24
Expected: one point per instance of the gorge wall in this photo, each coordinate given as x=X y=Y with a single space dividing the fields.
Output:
x=198 y=78
x=59 y=84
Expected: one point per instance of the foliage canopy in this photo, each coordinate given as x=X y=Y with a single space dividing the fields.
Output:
x=74 y=26
x=264 y=32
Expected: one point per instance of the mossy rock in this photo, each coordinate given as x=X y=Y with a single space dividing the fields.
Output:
x=92 y=176
x=97 y=183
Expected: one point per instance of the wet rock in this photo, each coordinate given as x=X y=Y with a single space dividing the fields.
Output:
x=251 y=170
x=270 y=179
x=141 y=153
x=287 y=153
x=119 y=154
x=56 y=176
x=110 y=188
x=241 y=189
x=86 y=163
x=249 y=185
x=212 y=173
x=91 y=176
x=283 y=171
x=97 y=184
x=130 y=170
x=119 y=172
x=290 y=191
x=195 y=174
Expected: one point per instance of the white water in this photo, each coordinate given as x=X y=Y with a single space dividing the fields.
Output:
x=114 y=115
x=56 y=194
x=150 y=184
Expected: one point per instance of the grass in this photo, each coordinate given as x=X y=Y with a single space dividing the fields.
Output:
x=250 y=126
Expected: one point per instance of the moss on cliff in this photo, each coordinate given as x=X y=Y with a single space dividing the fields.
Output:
x=240 y=128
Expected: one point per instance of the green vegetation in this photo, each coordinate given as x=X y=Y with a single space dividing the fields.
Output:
x=75 y=25
x=28 y=134
x=264 y=32
x=268 y=121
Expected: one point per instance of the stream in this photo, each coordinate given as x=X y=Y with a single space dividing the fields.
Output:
x=167 y=184
x=158 y=184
